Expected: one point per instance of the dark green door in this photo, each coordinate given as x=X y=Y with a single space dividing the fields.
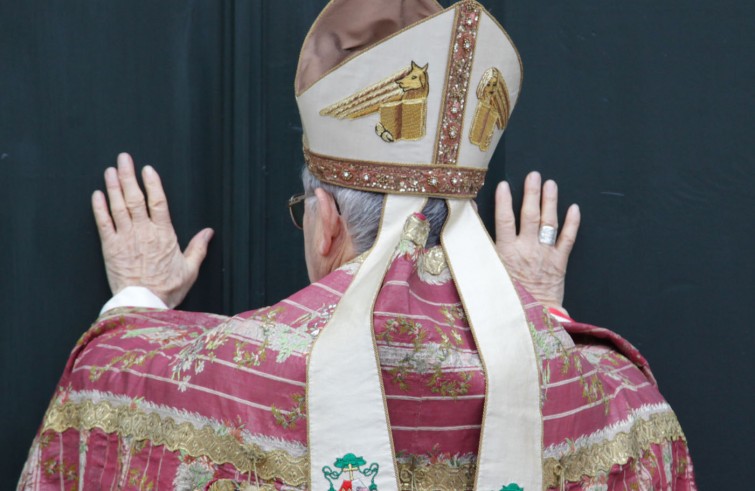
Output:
x=640 y=110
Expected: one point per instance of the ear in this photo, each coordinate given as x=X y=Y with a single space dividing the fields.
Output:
x=414 y=65
x=329 y=222
x=424 y=68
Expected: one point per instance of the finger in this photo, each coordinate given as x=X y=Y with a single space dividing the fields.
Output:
x=530 y=217
x=549 y=205
x=132 y=193
x=118 y=209
x=196 y=251
x=158 y=203
x=569 y=230
x=505 y=221
x=102 y=217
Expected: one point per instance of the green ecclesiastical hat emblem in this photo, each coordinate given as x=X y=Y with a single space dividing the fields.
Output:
x=352 y=465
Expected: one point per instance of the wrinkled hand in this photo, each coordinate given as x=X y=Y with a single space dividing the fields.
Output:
x=540 y=268
x=139 y=244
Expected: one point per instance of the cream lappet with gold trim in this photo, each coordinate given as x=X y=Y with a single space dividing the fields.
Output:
x=417 y=113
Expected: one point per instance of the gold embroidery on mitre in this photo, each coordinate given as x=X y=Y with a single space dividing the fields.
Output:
x=401 y=101
x=492 y=109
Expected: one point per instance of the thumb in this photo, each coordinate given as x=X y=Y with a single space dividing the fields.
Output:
x=197 y=249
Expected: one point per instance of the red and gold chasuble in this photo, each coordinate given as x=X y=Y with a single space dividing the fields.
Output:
x=166 y=400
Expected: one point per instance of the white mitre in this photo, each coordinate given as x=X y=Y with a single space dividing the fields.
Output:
x=406 y=98
x=344 y=96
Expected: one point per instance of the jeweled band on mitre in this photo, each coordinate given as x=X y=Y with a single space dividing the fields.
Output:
x=446 y=181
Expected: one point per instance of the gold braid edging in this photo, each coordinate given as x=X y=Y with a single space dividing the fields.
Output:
x=440 y=181
x=279 y=465
x=593 y=460
x=438 y=476
x=128 y=421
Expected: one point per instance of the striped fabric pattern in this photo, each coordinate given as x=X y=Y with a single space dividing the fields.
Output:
x=182 y=400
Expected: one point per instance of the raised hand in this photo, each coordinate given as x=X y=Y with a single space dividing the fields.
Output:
x=139 y=244
x=540 y=268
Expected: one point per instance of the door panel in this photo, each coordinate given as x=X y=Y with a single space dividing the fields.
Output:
x=640 y=111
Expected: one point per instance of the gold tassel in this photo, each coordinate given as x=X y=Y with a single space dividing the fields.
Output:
x=560 y=473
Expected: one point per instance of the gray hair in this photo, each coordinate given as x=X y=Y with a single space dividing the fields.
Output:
x=361 y=210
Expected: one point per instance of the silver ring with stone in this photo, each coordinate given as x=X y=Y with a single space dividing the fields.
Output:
x=547 y=235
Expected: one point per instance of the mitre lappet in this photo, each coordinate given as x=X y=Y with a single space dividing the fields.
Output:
x=409 y=99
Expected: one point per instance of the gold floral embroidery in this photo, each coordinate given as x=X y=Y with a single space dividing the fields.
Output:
x=592 y=386
x=253 y=358
x=435 y=376
x=126 y=360
x=289 y=418
x=66 y=471
x=138 y=480
x=249 y=354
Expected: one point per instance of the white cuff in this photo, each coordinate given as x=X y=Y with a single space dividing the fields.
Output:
x=134 y=296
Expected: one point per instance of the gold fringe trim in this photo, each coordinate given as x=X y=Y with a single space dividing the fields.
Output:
x=593 y=460
x=128 y=421
x=279 y=465
x=439 y=476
